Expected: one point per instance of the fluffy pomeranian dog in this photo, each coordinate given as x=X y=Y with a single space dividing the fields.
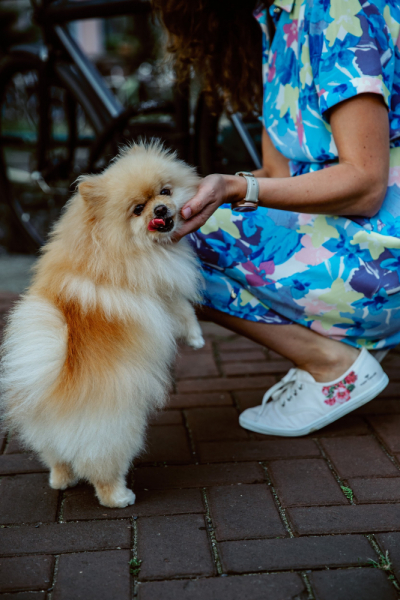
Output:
x=88 y=350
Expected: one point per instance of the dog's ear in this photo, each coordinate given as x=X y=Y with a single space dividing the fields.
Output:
x=91 y=188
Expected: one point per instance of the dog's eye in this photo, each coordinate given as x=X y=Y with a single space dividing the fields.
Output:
x=165 y=192
x=138 y=209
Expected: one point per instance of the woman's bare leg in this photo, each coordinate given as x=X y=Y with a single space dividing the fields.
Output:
x=324 y=358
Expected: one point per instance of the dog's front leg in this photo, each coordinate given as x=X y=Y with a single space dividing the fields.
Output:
x=189 y=329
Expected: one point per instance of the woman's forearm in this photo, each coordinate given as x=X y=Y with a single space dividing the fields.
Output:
x=338 y=190
x=355 y=187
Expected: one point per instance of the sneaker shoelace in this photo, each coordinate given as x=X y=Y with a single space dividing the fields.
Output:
x=283 y=390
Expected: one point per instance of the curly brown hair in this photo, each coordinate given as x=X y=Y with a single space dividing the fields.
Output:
x=221 y=41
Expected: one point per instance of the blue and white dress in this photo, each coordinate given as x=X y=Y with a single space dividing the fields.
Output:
x=339 y=276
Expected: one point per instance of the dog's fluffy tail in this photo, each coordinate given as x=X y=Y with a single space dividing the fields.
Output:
x=32 y=356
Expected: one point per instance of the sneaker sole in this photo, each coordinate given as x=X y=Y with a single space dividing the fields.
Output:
x=336 y=414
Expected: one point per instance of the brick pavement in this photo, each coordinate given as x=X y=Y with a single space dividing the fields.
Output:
x=221 y=513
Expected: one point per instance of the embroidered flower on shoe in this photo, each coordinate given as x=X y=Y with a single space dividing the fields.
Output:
x=340 y=392
x=351 y=378
x=330 y=401
x=342 y=395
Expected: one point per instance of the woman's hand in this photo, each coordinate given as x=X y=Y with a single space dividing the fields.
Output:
x=213 y=191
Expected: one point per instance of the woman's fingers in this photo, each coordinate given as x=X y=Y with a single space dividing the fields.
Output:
x=211 y=191
x=196 y=204
x=194 y=223
x=211 y=194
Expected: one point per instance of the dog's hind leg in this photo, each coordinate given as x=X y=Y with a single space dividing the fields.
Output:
x=114 y=494
x=108 y=476
x=62 y=474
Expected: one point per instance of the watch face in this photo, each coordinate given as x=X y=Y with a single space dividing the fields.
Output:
x=245 y=208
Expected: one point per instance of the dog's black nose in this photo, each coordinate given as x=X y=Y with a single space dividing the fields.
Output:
x=161 y=210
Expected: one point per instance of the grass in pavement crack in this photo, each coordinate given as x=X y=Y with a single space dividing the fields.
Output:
x=134 y=566
x=348 y=492
x=211 y=533
x=384 y=563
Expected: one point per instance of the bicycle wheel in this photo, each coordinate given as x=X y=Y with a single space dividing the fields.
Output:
x=37 y=174
x=218 y=146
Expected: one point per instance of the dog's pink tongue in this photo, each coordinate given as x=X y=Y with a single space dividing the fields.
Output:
x=155 y=223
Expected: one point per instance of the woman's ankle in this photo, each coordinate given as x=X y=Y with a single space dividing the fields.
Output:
x=329 y=363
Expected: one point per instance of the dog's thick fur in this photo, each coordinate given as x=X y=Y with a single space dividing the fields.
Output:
x=88 y=349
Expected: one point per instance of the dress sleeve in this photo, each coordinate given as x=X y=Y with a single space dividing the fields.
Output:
x=351 y=51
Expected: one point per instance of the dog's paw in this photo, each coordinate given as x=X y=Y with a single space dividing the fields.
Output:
x=119 y=498
x=195 y=341
x=62 y=477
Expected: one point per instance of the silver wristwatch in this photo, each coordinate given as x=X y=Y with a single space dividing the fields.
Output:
x=250 y=201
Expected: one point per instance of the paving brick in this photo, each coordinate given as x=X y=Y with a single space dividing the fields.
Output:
x=27 y=499
x=244 y=511
x=81 y=503
x=202 y=365
x=277 y=586
x=391 y=360
x=213 y=330
x=166 y=444
x=183 y=349
x=349 y=584
x=25 y=573
x=3 y=438
x=242 y=356
x=14 y=446
x=182 y=547
x=24 y=596
x=388 y=429
x=218 y=423
x=221 y=384
x=295 y=553
x=237 y=344
x=380 y=406
x=358 y=456
x=257 y=450
x=256 y=368
x=390 y=542
x=378 y=489
x=7 y=300
x=393 y=373
x=93 y=576
x=20 y=463
x=365 y=518
x=167 y=417
x=305 y=482
x=391 y=391
x=56 y=538
x=348 y=425
x=249 y=398
x=205 y=399
x=197 y=475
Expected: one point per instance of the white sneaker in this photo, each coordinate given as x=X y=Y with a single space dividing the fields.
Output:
x=298 y=404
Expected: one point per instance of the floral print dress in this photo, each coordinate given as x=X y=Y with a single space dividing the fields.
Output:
x=339 y=276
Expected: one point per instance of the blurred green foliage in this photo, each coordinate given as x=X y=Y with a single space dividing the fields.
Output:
x=133 y=38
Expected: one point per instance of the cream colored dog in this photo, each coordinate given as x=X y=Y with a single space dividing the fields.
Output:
x=88 y=349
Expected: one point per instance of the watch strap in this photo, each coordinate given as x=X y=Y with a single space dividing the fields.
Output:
x=250 y=201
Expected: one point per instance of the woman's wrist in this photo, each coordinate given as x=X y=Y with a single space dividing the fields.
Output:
x=236 y=187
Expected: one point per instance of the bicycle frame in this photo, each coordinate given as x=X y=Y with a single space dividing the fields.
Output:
x=52 y=16
x=54 y=13
x=62 y=11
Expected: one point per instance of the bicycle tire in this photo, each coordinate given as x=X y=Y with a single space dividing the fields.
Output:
x=37 y=196
x=218 y=147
